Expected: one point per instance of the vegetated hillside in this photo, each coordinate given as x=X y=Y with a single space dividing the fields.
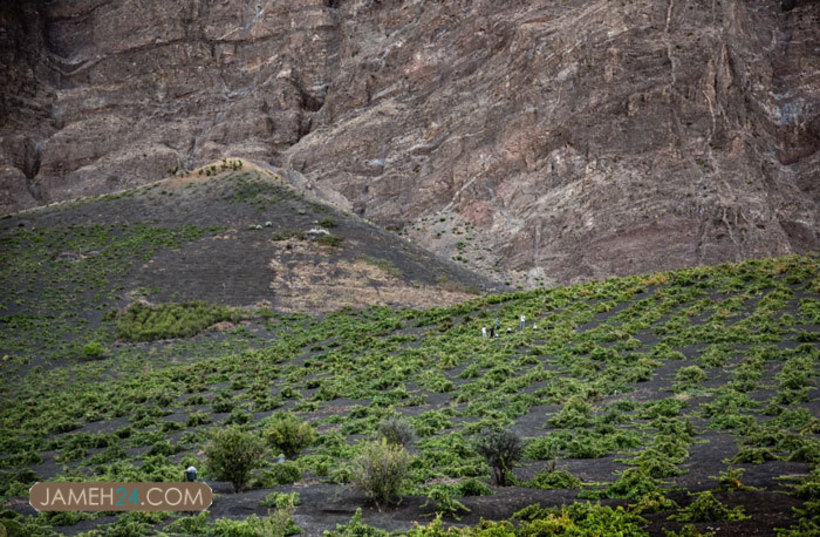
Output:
x=687 y=397
x=229 y=234
x=579 y=139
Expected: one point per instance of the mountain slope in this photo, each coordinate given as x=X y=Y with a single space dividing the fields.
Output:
x=230 y=233
x=570 y=140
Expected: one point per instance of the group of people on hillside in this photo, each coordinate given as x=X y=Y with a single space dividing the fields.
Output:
x=495 y=330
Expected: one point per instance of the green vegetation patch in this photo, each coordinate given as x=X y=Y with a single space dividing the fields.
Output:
x=143 y=322
x=623 y=380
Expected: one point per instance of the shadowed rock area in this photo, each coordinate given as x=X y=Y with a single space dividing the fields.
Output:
x=540 y=141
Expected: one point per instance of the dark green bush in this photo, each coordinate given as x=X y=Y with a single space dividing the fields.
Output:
x=501 y=448
x=575 y=413
x=196 y=419
x=633 y=483
x=556 y=479
x=93 y=349
x=232 y=454
x=223 y=402
x=283 y=473
x=474 y=487
x=288 y=434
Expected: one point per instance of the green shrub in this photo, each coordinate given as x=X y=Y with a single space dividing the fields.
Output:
x=731 y=480
x=501 y=448
x=162 y=447
x=281 y=500
x=581 y=519
x=556 y=479
x=232 y=454
x=356 y=528
x=752 y=455
x=283 y=473
x=668 y=407
x=285 y=235
x=655 y=463
x=278 y=523
x=441 y=496
x=691 y=373
x=707 y=508
x=575 y=413
x=93 y=349
x=223 y=402
x=652 y=502
x=633 y=483
x=380 y=471
x=191 y=525
x=239 y=416
x=288 y=434
x=474 y=487
x=142 y=322
x=196 y=419
x=397 y=430
x=470 y=372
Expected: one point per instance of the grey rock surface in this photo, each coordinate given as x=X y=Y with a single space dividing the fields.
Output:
x=539 y=141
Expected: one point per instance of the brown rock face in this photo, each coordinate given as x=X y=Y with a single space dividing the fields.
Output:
x=539 y=141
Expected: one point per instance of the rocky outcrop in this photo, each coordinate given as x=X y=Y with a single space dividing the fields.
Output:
x=536 y=141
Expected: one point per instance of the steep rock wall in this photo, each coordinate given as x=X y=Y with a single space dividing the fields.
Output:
x=539 y=141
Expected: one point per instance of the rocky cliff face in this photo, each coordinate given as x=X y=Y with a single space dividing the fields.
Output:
x=538 y=141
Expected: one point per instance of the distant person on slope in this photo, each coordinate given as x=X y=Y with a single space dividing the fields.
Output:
x=190 y=473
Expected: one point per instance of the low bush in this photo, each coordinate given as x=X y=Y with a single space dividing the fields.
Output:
x=556 y=479
x=707 y=508
x=232 y=454
x=380 y=471
x=575 y=413
x=397 y=430
x=633 y=483
x=691 y=373
x=751 y=455
x=196 y=419
x=582 y=519
x=652 y=502
x=281 y=500
x=474 y=487
x=93 y=349
x=190 y=525
x=501 y=448
x=731 y=480
x=356 y=528
x=288 y=434
x=441 y=496
x=278 y=523
x=283 y=473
